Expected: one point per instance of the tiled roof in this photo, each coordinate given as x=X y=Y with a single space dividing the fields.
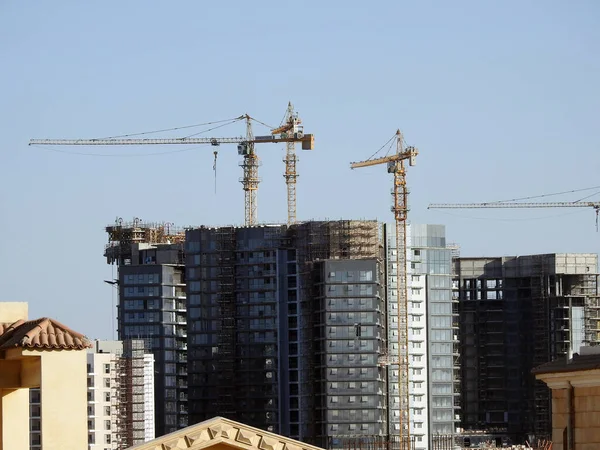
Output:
x=42 y=333
x=577 y=363
x=218 y=431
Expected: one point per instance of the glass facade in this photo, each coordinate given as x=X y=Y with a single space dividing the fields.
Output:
x=152 y=306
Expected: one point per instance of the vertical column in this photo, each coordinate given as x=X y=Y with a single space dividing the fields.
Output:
x=14 y=419
x=64 y=400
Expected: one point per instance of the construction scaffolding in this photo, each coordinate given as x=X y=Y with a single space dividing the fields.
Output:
x=226 y=259
x=318 y=241
x=371 y=443
x=122 y=234
x=565 y=308
x=128 y=403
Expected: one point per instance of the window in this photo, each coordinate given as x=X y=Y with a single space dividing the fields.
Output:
x=107 y=396
x=107 y=382
x=351 y=399
x=107 y=410
x=107 y=438
x=107 y=424
x=106 y=368
x=334 y=399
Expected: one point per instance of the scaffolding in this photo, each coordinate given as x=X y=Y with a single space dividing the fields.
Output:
x=226 y=258
x=318 y=241
x=129 y=394
x=370 y=443
x=122 y=234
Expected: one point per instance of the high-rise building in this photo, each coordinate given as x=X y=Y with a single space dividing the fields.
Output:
x=275 y=340
x=152 y=307
x=120 y=397
x=432 y=335
x=517 y=313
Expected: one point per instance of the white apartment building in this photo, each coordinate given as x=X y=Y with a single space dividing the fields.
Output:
x=430 y=333
x=120 y=379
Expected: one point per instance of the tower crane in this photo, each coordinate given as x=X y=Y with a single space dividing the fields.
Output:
x=507 y=205
x=396 y=166
x=290 y=132
x=291 y=125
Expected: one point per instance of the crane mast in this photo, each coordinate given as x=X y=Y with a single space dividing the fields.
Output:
x=250 y=179
x=290 y=132
x=290 y=163
x=396 y=166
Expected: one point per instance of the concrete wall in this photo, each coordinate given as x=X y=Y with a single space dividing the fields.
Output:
x=64 y=399
x=586 y=420
x=14 y=419
x=575 y=409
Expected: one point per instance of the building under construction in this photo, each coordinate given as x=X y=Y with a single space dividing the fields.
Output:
x=150 y=260
x=287 y=327
x=132 y=406
x=120 y=384
x=294 y=329
x=515 y=314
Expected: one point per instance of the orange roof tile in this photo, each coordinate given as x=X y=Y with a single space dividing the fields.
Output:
x=42 y=333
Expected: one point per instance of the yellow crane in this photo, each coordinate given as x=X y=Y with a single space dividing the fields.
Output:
x=510 y=204
x=396 y=166
x=290 y=132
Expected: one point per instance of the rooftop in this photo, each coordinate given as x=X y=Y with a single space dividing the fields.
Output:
x=587 y=359
x=42 y=333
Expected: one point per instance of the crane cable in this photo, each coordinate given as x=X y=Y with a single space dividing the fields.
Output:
x=549 y=195
x=173 y=129
x=216 y=153
x=389 y=144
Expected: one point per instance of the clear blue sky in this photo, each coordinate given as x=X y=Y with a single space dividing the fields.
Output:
x=500 y=97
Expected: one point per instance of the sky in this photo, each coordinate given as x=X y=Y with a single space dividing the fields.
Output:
x=501 y=99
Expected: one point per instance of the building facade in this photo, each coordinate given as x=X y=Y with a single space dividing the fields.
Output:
x=152 y=307
x=120 y=397
x=432 y=335
x=264 y=321
x=517 y=313
x=350 y=320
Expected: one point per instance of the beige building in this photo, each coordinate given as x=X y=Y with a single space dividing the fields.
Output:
x=43 y=354
x=575 y=385
x=223 y=434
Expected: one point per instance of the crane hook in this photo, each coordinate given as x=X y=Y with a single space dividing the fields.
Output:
x=215 y=168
